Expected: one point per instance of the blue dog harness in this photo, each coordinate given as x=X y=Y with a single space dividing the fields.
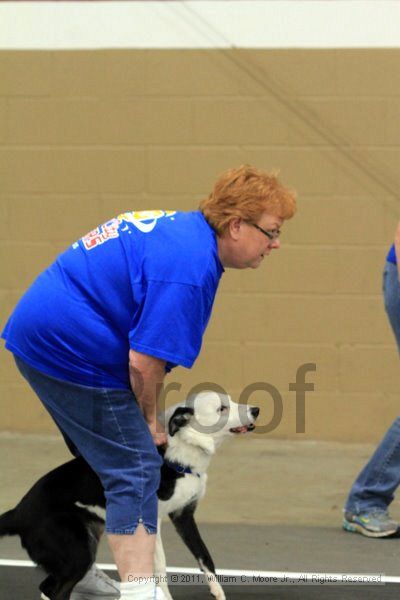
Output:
x=179 y=468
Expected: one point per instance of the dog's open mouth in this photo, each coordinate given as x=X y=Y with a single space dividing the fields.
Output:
x=243 y=428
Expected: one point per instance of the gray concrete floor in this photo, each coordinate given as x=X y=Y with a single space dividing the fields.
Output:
x=270 y=505
x=15 y=586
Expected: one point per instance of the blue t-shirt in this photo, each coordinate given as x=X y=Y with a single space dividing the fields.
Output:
x=391 y=257
x=144 y=280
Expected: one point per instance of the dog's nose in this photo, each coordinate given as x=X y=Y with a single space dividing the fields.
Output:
x=255 y=411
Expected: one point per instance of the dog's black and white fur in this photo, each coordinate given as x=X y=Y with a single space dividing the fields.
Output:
x=60 y=532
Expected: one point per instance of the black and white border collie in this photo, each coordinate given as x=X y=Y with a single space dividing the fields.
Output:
x=60 y=531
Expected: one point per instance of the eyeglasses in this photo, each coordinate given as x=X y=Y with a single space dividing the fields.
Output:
x=272 y=234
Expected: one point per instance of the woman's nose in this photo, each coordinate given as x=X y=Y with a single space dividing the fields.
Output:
x=276 y=244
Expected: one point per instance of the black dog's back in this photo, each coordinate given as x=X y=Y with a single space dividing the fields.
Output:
x=8 y=524
x=71 y=482
x=58 y=535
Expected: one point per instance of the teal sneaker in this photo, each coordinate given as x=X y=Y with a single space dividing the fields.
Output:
x=376 y=524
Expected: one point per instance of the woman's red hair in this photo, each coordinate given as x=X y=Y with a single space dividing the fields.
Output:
x=246 y=192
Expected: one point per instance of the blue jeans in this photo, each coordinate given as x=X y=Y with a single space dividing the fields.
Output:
x=376 y=484
x=106 y=427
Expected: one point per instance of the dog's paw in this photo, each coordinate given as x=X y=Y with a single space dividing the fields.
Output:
x=216 y=590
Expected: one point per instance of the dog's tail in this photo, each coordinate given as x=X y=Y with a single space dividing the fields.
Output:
x=8 y=523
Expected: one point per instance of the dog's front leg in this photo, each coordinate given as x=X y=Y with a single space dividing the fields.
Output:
x=160 y=565
x=186 y=527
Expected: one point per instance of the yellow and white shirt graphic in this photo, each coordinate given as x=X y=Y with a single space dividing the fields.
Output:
x=144 y=221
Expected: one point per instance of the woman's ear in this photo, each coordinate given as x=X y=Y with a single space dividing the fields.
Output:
x=234 y=227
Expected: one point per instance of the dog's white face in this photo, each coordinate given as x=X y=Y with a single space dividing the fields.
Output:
x=210 y=414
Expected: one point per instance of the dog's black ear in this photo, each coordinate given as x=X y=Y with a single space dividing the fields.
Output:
x=179 y=419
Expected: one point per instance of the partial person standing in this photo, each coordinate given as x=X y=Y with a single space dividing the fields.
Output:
x=366 y=509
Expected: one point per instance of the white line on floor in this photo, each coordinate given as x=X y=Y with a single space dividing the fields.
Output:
x=227 y=572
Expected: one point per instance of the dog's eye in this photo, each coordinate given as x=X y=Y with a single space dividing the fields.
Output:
x=222 y=409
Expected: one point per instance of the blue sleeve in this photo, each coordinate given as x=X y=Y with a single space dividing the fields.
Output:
x=170 y=322
x=391 y=257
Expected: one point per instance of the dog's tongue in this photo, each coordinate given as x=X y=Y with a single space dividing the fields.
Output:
x=242 y=429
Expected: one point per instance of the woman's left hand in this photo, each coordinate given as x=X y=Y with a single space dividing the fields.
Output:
x=158 y=433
